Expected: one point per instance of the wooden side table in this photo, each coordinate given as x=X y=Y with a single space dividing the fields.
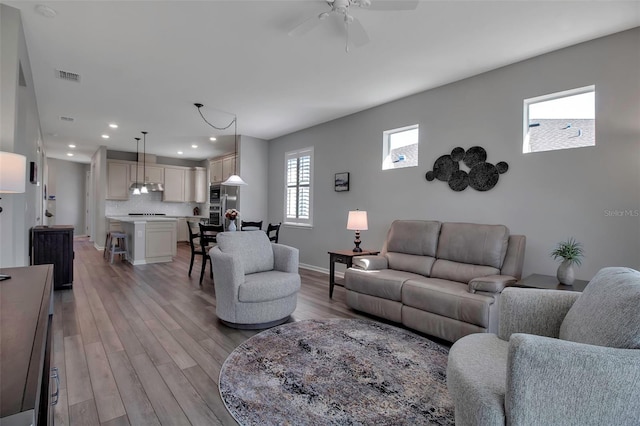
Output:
x=550 y=282
x=346 y=257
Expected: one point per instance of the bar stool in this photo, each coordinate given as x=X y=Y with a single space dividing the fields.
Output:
x=118 y=245
x=107 y=244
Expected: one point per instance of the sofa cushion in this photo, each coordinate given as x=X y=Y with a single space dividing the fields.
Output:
x=385 y=283
x=410 y=263
x=267 y=286
x=606 y=313
x=447 y=298
x=473 y=243
x=461 y=272
x=419 y=237
x=253 y=247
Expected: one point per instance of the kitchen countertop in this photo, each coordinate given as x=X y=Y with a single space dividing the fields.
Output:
x=132 y=219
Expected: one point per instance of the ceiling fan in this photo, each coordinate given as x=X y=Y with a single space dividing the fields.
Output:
x=356 y=35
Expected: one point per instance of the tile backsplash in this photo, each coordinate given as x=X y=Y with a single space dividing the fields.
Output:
x=150 y=203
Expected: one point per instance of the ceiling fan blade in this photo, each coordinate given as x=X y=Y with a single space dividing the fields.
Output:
x=305 y=27
x=357 y=34
x=393 y=5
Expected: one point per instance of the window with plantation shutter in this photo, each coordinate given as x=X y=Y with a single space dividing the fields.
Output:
x=299 y=187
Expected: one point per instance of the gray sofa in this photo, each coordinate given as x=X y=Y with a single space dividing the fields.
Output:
x=443 y=279
x=560 y=358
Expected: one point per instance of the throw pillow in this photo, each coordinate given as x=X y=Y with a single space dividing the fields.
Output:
x=606 y=313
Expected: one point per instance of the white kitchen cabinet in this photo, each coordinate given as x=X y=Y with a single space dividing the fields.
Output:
x=215 y=170
x=152 y=174
x=200 y=187
x=182 y=231
x=174 y=185
x=189 y=182
x=228 y=167
x=117 y=181
x=160 y=242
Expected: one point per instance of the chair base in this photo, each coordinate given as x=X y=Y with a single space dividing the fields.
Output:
x=259 y=326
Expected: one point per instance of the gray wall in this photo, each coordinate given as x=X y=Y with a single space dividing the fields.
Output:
x=252 y=153
x=547 y=196
x=19 y=133
x=67 y=183
x=98 y=195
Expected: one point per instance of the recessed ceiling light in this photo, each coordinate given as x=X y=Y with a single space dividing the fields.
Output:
x=194 y=146
x=113 y=125
x=69 y=154
x=105 y=136
x=212 y=139
x=71 y=145
x=179 y=152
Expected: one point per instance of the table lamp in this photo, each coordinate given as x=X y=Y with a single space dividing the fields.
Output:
x=357 y=221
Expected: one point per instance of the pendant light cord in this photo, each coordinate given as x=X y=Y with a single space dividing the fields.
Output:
x=144 y=157
x=137 y=159
x=233 y=122
x=216 y=127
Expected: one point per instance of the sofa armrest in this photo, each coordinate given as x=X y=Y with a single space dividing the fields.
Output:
x=228 y=274
x=551 y=381
x=370 y=263
x=285 y=258
x=533 y=311
x=491 y=283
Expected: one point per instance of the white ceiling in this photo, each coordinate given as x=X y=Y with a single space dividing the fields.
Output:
x=144 y=63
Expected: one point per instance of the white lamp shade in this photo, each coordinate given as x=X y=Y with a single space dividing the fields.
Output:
x=13 y=172
x=357 y=221
x=234 y=180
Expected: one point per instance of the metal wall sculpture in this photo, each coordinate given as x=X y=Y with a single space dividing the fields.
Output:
x=482 y=176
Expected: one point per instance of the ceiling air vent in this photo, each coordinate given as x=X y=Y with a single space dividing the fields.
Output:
x=67 y=75
x=69 y=119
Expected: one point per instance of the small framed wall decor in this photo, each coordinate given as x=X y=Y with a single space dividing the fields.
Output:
x=342 y=182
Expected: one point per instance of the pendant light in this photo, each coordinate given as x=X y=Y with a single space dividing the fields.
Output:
x=136 y=188
x=144 y=189
x=233 y=180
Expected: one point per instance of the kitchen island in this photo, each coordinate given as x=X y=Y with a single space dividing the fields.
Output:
x=150 y=239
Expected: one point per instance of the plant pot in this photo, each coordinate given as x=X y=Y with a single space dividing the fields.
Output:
x=566 y=274
x=232 y=227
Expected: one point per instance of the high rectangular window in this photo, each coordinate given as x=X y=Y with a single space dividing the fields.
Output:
x=560 y=120
x=400 y=147
x=298 y=209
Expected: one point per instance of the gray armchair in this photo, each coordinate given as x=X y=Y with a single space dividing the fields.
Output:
x=256 y=282
x=560 y=358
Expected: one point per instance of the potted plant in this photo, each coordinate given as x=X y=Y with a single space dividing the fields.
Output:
x=571 y=253
x=232 y=214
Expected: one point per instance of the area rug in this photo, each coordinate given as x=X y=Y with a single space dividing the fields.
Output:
x=337 y=371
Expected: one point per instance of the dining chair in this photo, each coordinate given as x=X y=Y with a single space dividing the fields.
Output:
x=194 y=242
x=207 y=239
x=273 y=228
x=250 y=226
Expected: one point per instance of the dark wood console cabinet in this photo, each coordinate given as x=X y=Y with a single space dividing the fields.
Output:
x=26 y=347
x=54 y=244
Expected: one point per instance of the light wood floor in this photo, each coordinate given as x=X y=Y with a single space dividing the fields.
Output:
x=142 y=345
